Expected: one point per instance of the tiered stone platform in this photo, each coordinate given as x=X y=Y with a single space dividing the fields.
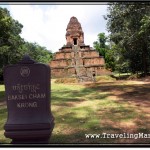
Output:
x=76 y=59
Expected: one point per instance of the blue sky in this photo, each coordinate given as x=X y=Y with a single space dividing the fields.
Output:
x=46 y=24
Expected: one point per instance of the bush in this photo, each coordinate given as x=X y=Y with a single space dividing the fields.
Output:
x=105 y=78
x=66 y=80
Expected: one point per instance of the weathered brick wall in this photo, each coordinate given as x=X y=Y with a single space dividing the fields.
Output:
x=57 y=72
x=69 y=63
x=71 y=71
x=89 y=54
x=80 y=60
x=93 y=61
x=72 y=55
x=64 y=63
x=94 y=54
x=54 y=63
x=62 y=72
x=58 y=63
x=68 y=55
x=64 y=55
x=59 y=55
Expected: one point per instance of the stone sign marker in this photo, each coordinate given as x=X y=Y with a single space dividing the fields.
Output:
x=27 y=87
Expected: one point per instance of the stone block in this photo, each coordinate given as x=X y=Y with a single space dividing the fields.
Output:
x=63 y=63
x=79 y=62
x=72 y=54
x=59 y=55
x=68 y=55
x=54 y=63
x=94 y=61
x=89 y=54
x=94 y=54
x=69 y=62
x=59 y=72
x=71 y=71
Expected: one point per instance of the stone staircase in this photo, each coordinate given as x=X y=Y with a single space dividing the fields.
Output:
x=81 y=72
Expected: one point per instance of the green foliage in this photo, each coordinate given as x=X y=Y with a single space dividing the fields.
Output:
x=121 y=65
x=110 y=59
x=104 y=50
x=145 y=24
x=100 y=44
x=37 y=52
x=129 y=24
x=10 y=39
x=13 y=47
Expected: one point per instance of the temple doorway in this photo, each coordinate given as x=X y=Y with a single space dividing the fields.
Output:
x=75 y=41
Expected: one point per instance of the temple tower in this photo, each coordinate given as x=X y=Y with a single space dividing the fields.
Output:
x=74 y=34
x=76 y=59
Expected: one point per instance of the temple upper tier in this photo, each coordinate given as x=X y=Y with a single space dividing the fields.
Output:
x=74 y=33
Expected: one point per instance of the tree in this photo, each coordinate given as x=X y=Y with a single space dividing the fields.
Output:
x=128 y=24
x=10 y=39
x=104 y=50
x=100 y=44
x=13 y=47
x=37 y=52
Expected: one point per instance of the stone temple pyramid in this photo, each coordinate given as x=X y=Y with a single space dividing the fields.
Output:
x=76 y=59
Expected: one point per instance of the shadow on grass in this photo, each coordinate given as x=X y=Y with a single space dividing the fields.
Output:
x=127 y=93
x=75 y=96
x=127 y=115
x=72 y=122
x=136 y=92
x=106 y=120
x=78 y=98
x=74 y=128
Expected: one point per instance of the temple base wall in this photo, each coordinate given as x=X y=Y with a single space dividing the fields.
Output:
x=73 y=62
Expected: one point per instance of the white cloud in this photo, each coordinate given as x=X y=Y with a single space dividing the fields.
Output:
x=46 y=24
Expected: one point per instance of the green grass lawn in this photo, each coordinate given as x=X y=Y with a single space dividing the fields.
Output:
x=102 y=107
